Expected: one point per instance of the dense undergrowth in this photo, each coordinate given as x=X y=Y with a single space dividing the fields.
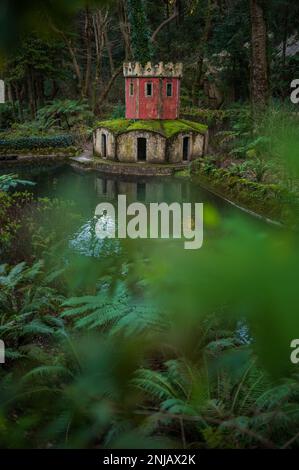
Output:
x=253 y=162
x=152 y=347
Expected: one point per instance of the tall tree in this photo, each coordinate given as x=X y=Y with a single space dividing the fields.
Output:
x=140 y=32
x=259 y=63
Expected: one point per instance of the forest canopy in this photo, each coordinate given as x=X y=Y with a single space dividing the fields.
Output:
x=75 y=50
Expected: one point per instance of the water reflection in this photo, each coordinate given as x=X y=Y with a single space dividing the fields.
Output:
x=87 y=189
x=87 y=241
x=144 y=190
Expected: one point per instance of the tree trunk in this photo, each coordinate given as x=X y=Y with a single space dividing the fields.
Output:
x=19 y=100
x=285 y=35
x=72 y=52
x=124 y=27
x=109 y=51
x=30 y=91
x=105 y=92
x=11 y=99
x=88 y=45
x=259 y=65
x=197 y=83
x=99 y=25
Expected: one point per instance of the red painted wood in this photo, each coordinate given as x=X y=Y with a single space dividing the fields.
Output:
x=157 y=106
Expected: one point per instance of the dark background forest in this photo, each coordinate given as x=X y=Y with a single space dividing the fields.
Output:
x=75 y=50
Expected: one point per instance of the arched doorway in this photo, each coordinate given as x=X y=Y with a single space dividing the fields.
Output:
x=141 y=149
x=104 y=146
x=186 y=148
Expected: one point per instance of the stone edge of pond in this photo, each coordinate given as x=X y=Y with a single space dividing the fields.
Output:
x=127 y=169
x=244 y=205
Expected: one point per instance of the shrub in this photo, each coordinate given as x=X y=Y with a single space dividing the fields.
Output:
x=35 y=142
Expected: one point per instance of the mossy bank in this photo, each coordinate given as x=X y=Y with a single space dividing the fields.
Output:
x=270 y=201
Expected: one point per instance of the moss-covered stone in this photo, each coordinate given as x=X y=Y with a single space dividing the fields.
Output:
x=167 y=128
x=268 y=200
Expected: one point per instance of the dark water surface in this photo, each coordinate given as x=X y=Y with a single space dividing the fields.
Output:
x=87 y=189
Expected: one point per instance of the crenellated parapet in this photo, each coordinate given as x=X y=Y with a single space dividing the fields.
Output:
x=149 y=70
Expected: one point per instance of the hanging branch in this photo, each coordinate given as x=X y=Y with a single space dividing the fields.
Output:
x=166 y=22
x=72 y=53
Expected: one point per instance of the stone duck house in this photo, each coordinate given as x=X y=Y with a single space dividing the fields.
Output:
x=151 y=132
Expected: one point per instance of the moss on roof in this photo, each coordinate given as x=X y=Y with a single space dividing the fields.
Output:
x=168 y=128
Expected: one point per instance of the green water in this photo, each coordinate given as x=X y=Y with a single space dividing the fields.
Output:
x=85 y=190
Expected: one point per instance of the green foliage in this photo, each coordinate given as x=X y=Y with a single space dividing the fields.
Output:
x=140 y=32
x=244 y=183
x=144 y=348
x=28 y=305
x=6 y=115
x=254 y=169
x=11 y=181
x=155 y=350
x=168 y=128
x=31 y=143
x=64 y=114
x=31 y=228
x=98 y=311
x=119 y=111
x=210 y=117
x=12 y=207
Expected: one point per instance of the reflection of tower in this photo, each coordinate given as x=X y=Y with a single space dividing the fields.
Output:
x=106 y=188
x=141 y=192
x=144 y=191
x=185 y=191
x=129 y=188
x=154 y=192
x=101 y=187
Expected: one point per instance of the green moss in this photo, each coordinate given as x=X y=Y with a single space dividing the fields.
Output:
x=272 y=201
x=148 y=125
x=173 y=127
x=168 y=128
x=115 y=125
x=183 y=173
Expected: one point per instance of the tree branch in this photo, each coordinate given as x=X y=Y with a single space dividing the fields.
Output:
x=109 y=86
x=165 y=23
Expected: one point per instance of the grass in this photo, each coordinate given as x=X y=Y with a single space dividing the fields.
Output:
x=168 y=128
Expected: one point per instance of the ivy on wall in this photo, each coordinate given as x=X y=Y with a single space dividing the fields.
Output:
x=142 y=48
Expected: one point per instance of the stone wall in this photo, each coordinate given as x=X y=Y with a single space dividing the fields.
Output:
x=175 y=146
x=110 y=143
x=123 y=147
x=127 y=146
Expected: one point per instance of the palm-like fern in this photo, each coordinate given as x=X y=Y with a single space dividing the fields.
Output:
x=116 y=310
x=27 y=303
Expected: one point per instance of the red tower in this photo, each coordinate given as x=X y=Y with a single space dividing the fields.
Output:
x=152 y=91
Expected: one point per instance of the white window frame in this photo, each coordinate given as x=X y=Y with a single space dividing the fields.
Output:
x=152 y=89
x=131 y=89
x=171 y=88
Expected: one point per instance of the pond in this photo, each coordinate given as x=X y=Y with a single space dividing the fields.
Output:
x=86 y=189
